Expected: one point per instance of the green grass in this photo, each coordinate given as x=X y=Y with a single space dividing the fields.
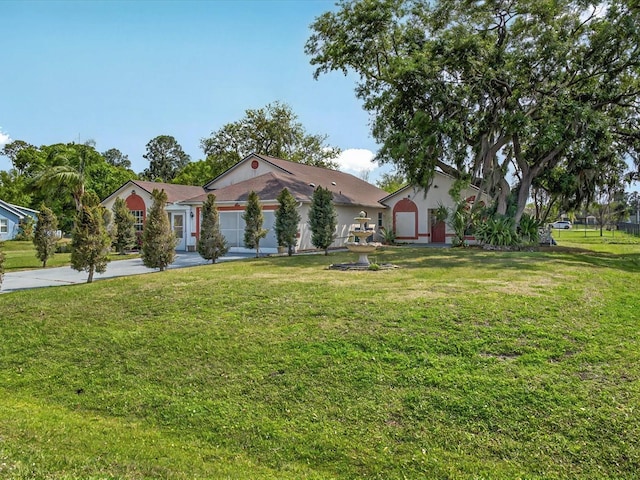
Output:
x=459 y=364
x=21 y=255
x=612 y=241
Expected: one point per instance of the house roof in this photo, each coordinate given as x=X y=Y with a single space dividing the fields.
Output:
x=25 y=210
x=12 y=209
x=416 y=188
x=301 y=180
x=175 y=193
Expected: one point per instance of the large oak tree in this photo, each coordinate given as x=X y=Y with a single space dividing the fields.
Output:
x=494 y=92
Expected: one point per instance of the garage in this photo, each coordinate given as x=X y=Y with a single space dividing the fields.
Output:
x=232 y=227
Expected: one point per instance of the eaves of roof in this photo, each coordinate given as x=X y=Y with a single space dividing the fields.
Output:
x=12 y=209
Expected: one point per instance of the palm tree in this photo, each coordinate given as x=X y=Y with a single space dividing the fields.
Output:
x=69 y=170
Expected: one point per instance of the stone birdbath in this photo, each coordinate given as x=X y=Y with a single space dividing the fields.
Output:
x=361 y=247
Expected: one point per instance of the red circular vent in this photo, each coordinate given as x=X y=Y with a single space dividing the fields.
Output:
x=254 y=164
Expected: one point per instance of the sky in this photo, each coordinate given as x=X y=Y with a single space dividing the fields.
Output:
x=123 y=72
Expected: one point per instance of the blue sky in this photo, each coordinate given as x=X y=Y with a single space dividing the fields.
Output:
x=124 y=72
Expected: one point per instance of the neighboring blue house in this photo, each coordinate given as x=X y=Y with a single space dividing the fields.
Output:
x=10 y=216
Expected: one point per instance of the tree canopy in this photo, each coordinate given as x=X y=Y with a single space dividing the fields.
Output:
x=58 y=175
x=273 y=130
x=195 y=173
x=166 y=159
x=494 y=92
x=391 y=181
x=116 y=158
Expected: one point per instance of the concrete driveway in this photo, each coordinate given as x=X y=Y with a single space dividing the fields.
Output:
x=49 y=277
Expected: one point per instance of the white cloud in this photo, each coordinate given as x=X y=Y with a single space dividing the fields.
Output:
x=356 y=160
x=4 y=138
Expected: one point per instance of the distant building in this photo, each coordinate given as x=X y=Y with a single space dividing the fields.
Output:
x=10 y=218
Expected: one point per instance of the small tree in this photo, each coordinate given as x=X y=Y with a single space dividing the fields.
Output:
x=44 y=236
x=253 y=218
x=158 y=241
x=322 y=219
x=25 y=228
x=287 y=220
x=90 y=242
x=211 y=244
x=1 y=263
x=125 y=234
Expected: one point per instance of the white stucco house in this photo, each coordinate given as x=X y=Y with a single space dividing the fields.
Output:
x=137 y=195
x=408 y=212
x=413 y=213
x=267 y=176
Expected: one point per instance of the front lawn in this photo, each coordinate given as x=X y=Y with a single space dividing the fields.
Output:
x=459 y=364
x=21 y=255
x=611 y=241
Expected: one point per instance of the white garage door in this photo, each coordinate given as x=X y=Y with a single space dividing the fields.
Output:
x=232 y=227
x=406 y=224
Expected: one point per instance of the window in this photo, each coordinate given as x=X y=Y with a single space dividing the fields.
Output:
x=379 y=219
x=4 y=225
x=139 y=216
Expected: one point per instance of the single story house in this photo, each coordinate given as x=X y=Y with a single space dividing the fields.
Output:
x=10 y=218
x=137 y=195
x=405 y=210
x=267 y=176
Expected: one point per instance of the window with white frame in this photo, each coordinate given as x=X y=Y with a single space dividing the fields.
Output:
x=4 y=225
x=139 y=216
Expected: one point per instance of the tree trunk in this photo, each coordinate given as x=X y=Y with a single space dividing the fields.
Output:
x=523 y=195
x=548 y=210
x=502 y=197
x=90 y=279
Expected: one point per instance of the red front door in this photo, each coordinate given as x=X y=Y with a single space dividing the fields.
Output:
x=438 y=230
